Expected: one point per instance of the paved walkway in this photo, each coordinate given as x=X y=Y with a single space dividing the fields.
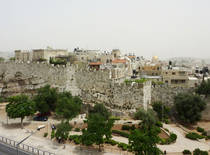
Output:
x=182 y=143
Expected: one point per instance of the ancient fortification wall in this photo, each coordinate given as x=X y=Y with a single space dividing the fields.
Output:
x=166 y=94
x=18 y=78
x=92 y=86
x=97 y=86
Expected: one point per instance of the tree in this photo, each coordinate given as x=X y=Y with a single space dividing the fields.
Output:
x=144 y=142
x=148 y=117
x=68 y=106
x=46 y=99
x=189 y=107
x=161 y=110
x=204 y=88
x=62 y=131
x=19 y=107
x=12 y=58
x=95 y=130
x=2 y=59
x=99 y=125
x=101 y=109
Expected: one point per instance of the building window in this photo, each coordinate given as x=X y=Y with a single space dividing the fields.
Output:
x=173 y=73
x=166 y=81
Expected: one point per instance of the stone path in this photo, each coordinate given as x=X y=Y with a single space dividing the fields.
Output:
x=182 y=143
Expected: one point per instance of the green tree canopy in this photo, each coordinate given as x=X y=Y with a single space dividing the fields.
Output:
x=189 y=107
x=144 y=142
x=148 y=117
x=99 y=125
x=46 y=99
x=62 y=131
x=101 y=109
x=68 y=106
x=161 y=110
x=19 y=107
x=2 y=59
x=204 y=88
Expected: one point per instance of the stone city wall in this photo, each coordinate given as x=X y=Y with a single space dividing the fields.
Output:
x=16 y=78
x=97 y=86
x=166 y=94
x=92 y=86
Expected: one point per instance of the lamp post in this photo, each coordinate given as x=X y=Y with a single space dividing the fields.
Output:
x=38 y=129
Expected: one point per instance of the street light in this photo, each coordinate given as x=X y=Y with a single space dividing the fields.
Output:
x=38 y=129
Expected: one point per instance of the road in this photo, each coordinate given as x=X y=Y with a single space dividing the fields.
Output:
x=7 y=150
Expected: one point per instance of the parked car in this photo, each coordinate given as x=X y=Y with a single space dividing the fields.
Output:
x=40 y=118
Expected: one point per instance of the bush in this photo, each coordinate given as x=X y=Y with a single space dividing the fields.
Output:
x=114 y=118
x=207 y=137
x=199 y=129
x=125 y=127
x=53 y=134
x=186 y=152
x=77 y=129
x=194 y=136
x=45 y=134
x=123 y=134
x=204 y=133
x=199 y=152
x=75 y=138
x=123 y=146
x=110 y=141
x=173 y=137
x=159 y=124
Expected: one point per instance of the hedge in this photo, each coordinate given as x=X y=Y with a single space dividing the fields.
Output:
x=75 y=138
x=127 y=127
x=123 y=134
x=194 y=136
x=110 y=141
x=199 y=152
x=187 y=152
x=199 y=129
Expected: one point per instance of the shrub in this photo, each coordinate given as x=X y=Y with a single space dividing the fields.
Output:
x=199 y=129
x=132 y=127
x=199 y=152
x=207 y=137
x=45 y=134
x=125 y=127
x=53 y=134
x=186 y=152
x=159 y=124
x=123 y=134
x=166 y=121
x=110 y=141
x=114 y=118
x=173 y=137
x=123 y=146
x=194 y=136
x=204 y=133
x=77 y=129
x=75 y=138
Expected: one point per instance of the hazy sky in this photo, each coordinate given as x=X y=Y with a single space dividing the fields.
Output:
x=166 y=28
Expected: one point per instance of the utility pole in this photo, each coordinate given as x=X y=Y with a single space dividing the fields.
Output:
x=40 y=127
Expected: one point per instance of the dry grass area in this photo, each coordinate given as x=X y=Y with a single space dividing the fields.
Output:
x=163 y=135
